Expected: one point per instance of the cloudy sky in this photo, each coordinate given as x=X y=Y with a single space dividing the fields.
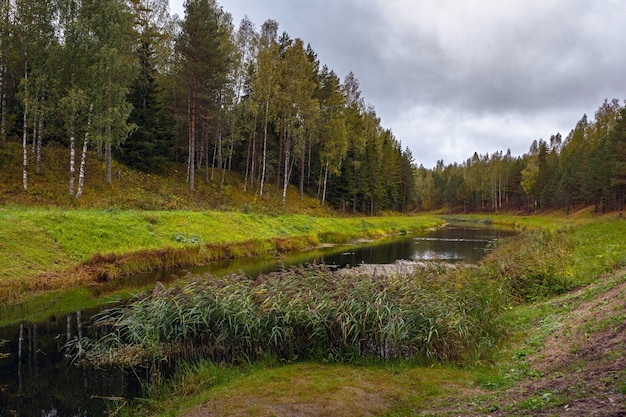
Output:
x=451 y=77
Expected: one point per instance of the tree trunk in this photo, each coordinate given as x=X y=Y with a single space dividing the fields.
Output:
x=83 y=157
x=206 y=151
x=302 y=172
x=25 y=133
x=267 y=105
x=192 y=136
x=280 y=155
x=248 y=156
x=3 y=132
x=109 y=136
x=308 y=174
x=72 y=156
x=107 y=156
x=253 y=157
x=3 y=117
x=325 y=182
x=39 y=141
x=35 y=124
x=218 y=148
x=287 y=161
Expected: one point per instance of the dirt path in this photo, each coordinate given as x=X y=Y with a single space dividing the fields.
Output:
x=582 y=365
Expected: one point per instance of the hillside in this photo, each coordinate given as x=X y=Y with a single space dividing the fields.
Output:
x=132 y=189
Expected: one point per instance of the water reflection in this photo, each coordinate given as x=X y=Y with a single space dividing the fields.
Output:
x=38 y=379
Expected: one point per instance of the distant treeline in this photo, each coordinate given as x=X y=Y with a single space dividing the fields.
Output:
x=587 y=168
x=124 y=78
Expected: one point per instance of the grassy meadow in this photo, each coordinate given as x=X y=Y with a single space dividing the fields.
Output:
x=51 y=245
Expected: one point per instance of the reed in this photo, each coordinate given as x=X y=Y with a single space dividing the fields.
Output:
x=305 y=313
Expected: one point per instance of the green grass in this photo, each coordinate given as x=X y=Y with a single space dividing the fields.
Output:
x=75 y=235
x=41 y=247
x=264 y=389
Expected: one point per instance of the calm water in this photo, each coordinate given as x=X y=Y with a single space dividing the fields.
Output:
x=37 y=379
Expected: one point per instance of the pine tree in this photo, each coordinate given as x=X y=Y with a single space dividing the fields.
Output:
x=202 y=68
x=149 y=147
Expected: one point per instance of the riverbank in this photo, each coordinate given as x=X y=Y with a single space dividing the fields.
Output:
x=46 y=250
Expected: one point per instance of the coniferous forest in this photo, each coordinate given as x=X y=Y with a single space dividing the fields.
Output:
x=123 y=80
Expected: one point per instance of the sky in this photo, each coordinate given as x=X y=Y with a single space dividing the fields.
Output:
x=454 y=77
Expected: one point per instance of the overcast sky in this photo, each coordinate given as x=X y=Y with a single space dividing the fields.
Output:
x=451 y=77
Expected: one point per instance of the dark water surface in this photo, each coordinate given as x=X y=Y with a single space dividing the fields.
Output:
x=37 y=379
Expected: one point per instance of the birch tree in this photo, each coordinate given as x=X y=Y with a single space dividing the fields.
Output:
x=114 y=70
x=295 y=102
x=36 y=36
x=75 y=56
x=334 y=139
x=264 y=85
x=245 y=41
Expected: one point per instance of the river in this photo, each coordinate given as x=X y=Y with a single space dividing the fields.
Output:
x=37 y=379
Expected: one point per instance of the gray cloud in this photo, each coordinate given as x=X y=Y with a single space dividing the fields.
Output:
x=451 y=77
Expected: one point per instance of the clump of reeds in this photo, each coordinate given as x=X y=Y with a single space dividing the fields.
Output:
x=306 y=313
x=534 y=265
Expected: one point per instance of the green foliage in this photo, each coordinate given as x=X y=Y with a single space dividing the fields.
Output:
x=543 y=400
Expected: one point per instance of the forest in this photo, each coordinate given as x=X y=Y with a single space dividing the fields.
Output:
x=124 y=80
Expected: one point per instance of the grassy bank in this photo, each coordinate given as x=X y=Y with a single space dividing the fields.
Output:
x=535 y=276
x=47 y=249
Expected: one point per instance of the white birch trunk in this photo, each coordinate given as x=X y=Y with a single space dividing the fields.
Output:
x=72 y=156
x=253 y=160
x=25 y=133
x=287 y=166
x=83 y=158
x=267 y=109
x=325 y=182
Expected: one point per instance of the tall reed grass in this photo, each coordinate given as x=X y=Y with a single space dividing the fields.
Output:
x=306 y=313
